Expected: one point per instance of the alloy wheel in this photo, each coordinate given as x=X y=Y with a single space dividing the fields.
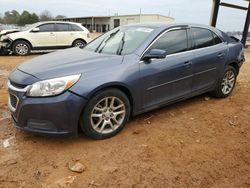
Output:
x=108 y=115
x=22 y=49
x=228 y=82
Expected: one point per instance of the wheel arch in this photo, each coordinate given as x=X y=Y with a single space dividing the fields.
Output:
x=235 y=65
x=21 y=39
x=120 y=86
x=79 y=39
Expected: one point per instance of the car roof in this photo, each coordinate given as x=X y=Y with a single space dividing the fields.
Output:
x=169 y=25
x=45 y=22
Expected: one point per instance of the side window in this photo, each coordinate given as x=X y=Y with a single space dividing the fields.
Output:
x=46 y=28
x=75 y=28
x=202 y=38
x=62 y=27
x=217 y=39
x=172 y=42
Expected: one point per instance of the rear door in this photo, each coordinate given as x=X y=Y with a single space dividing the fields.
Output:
x=210 y=55
x=65 y=35
x=45 y=37
x=168 y=79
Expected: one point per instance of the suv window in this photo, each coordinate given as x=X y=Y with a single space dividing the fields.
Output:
x=202 y=38
x=75 y=27
x=46 y=28
x=172 y=42
x=62 y=27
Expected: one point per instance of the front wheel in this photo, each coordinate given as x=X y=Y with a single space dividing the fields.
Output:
x=21 y=48
x=226 y=84
x=106 y=114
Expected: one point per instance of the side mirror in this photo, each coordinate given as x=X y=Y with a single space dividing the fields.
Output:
x=154 y=54
x=35 y=30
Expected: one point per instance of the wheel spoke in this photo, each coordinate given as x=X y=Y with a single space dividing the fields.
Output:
x=119 y=112
x=96 y=115
x=108 y=115
x=117 y=107
x=103 y=125
x=98 y=123
x=98 y=109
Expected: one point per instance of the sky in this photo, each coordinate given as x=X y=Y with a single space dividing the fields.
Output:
x=191 y=11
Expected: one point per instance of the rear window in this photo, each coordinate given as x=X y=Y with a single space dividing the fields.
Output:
x=75 y=28
x=204 y=38
x=62 y=27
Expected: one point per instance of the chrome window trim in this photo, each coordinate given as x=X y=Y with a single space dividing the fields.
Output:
x=151 y=44
x=11 y=87
x=191 y=50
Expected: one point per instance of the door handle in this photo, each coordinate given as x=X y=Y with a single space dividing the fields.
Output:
x=188 y=63
x=221 y=55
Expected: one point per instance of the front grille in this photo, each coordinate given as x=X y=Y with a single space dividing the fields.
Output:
x=13 y=101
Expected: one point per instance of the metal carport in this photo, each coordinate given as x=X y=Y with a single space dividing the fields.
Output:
x=215 y=11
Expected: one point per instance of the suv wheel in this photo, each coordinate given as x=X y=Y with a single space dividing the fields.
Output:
x=106 y=114
x=21 y=48
x=79 y=43
x=226 y=84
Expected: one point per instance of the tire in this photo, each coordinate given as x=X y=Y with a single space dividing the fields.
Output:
x=100 y=119
x=79 y=43
x=226 y=83
x=21 y=48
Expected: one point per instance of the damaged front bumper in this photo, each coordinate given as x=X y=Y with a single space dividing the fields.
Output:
x=5 y=46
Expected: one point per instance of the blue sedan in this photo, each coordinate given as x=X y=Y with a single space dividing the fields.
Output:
x=125 y=72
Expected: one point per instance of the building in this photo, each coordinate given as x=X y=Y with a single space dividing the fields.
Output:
x=106 y=23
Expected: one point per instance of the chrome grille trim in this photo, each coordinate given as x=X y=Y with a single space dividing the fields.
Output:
x=12 y=108
x=13 y=88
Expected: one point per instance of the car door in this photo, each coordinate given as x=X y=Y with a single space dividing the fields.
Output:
x=168 y=79
x=210 y=55
x=65 y=35
x=45 y=36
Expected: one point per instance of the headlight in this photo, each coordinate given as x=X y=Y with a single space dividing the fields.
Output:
x=52 y=87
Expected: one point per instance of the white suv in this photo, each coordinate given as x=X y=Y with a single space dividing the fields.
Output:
x=46 y=36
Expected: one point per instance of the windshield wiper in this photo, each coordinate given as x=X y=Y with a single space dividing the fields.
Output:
x=105 y=40
x=121 y=46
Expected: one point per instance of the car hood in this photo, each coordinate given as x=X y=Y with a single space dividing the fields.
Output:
x=68 y=62
x=8 y=31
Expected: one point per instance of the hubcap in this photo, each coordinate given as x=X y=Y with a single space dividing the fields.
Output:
x=108 y=115
x=22 y=49
x=79 y=44
x=228 y=82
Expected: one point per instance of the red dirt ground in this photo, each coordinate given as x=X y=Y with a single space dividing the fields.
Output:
x=201 y=142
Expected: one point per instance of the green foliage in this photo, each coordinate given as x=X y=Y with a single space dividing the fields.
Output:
x=13 y=17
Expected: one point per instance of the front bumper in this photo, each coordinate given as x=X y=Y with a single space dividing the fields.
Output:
x=5 y=46
x=58 y=115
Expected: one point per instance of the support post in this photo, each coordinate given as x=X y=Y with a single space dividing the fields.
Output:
x=246 y=27
x=214 y=13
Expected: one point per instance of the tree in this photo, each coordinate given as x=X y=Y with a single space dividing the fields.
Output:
x=60 y=17
x=11 y=17
x=46 y=16
x=1 y=19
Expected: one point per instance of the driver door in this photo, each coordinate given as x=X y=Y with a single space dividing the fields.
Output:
x=168 y=79
x=45 y=36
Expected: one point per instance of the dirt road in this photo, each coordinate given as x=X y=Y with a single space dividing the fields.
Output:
x=201 y=142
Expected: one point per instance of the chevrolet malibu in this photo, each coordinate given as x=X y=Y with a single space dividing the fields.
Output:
x=127 y=71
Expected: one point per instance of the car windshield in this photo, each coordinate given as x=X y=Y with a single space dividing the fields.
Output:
x=120 y=41
x=28 y=27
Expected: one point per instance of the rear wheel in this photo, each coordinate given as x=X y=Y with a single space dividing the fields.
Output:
x=106 y=114
x=21 y=48
x=226 y=84
x=79 y=43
